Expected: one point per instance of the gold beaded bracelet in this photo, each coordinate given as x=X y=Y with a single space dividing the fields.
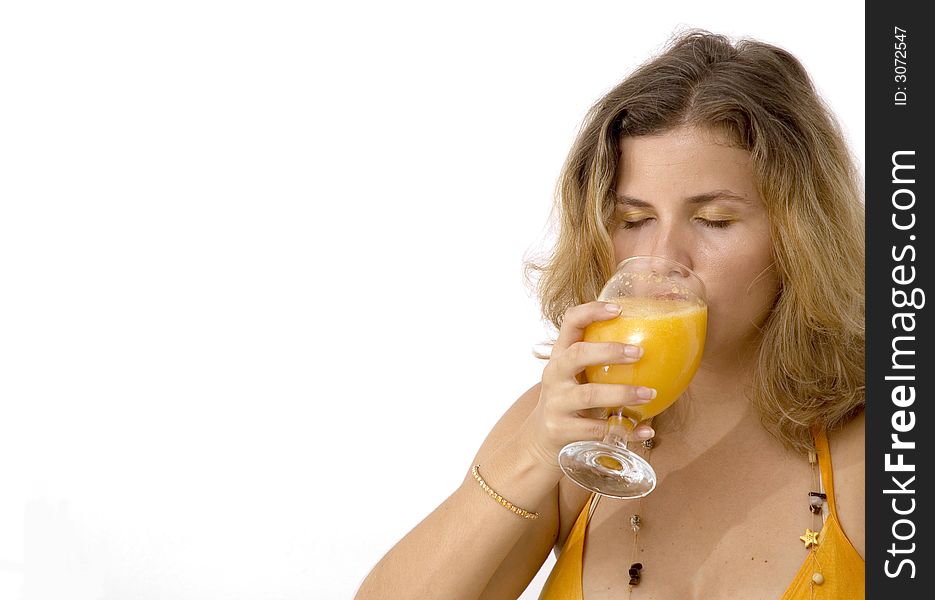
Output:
x=503 y=501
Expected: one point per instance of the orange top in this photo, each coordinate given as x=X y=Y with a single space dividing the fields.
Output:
x=841 y=565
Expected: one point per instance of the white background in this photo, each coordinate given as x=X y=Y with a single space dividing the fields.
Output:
x=261 y=267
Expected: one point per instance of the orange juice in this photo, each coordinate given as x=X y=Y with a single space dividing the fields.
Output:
x=671 y=333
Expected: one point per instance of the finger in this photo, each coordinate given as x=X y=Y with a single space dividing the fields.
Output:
x=578 y=317
x=590 y=429
x=599 y=429
x=643 y=432
x=585 y=354
x=581 y=429
x=609 y=395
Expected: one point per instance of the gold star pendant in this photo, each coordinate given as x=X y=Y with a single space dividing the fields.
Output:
x=810 y=538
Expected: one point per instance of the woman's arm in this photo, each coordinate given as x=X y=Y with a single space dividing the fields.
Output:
x=471 y=547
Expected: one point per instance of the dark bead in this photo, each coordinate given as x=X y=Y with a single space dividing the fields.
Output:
x=634 y=572
x=814 y=503
x=636 y=566
x=634 y=581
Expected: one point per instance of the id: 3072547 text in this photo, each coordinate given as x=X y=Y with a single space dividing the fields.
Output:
x=900 y=67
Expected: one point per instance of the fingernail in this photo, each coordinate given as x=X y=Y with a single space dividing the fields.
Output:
x=645 y=392
x=633 y=351
x=645 y=434
x=612 y=308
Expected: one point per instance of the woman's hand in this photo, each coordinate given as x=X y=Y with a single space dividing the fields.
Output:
x=565 y=400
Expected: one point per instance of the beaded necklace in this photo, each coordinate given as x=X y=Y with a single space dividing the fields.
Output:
x=816 y=501
x=635 y=523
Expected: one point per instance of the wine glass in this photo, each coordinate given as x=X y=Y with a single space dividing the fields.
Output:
x=664 y=310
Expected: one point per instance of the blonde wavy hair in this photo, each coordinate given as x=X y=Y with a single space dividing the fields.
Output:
x=810 y=363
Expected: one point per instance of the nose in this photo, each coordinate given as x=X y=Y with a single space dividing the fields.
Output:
x=673 y=243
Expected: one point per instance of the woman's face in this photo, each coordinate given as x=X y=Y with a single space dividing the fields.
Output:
x=685 y=196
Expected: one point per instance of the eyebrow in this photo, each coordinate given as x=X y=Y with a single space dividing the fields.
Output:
x=691 y=200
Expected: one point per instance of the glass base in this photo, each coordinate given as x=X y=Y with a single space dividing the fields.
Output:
x=607 y=469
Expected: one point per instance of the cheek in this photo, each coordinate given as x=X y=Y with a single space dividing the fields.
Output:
x=741 y=295
x=763 y=295
x=623 y=245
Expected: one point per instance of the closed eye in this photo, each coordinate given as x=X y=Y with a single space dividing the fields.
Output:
x=715 y=224
x=632 y=224
x=705 y=222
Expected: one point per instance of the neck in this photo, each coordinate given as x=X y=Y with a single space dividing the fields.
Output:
x=716 y=404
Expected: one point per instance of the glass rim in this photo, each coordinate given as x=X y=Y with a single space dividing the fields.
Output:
x=704 y=289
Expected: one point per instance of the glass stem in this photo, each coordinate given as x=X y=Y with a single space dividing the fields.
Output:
x=617 y=423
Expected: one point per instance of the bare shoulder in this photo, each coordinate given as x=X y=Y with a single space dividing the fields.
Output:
x=848 y=456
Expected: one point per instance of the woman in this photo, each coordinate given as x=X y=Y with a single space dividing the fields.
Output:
x=722 y=157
